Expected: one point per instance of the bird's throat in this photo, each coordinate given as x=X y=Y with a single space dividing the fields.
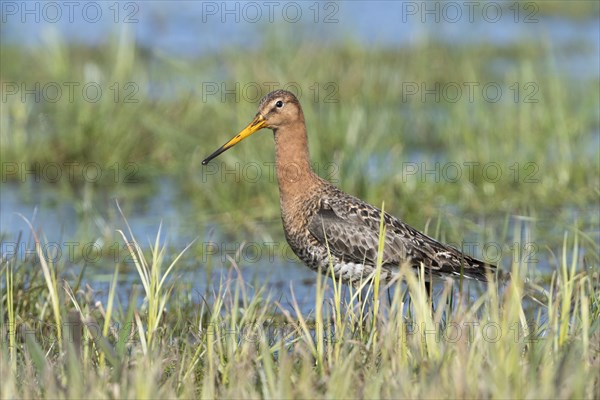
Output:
x=292 y=163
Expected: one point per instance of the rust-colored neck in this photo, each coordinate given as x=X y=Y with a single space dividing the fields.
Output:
x=295 y=176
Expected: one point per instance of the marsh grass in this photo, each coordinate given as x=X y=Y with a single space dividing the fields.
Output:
x=542 y=147
x=58 y=342
x=158 y=338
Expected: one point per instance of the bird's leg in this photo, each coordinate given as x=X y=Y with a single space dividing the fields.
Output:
x=428 y=289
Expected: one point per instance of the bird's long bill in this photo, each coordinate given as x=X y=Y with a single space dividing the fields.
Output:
x=257 y=124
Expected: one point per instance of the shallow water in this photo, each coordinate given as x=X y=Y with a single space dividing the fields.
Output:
x=90 y=240
x=76 y=224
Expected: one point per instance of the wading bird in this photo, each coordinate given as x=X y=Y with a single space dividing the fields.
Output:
x=325 y=226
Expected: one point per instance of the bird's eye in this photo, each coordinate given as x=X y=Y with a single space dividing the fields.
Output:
x=279 y=104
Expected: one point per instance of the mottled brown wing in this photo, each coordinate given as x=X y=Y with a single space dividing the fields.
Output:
x=351 y=240
x=351 y=228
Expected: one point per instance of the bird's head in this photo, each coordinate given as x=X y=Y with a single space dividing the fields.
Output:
x=276 y=110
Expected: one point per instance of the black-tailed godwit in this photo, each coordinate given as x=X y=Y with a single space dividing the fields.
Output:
x=324 y=225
